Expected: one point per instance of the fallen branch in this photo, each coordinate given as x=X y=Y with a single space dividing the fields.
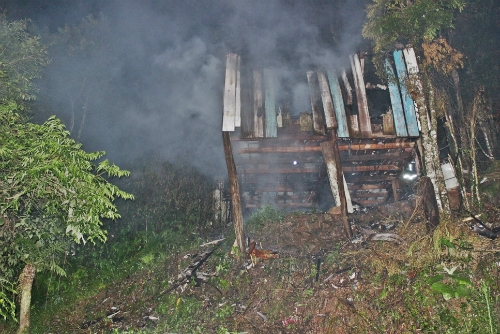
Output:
x=190 y=272
x=212 y=242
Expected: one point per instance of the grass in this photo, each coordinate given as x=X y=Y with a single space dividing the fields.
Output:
x=446 y=282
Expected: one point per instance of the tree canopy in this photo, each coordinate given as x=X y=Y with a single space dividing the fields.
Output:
x=52 y=192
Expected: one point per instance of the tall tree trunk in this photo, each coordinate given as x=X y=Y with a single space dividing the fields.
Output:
x=439 y=182
x=26 y=279
x=455 y=155
x=473 y=155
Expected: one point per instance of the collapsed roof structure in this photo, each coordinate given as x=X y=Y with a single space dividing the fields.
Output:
x=337 y=151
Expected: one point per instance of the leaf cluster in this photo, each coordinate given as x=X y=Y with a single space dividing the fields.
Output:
x=22 y=58
x=408 y=21
x=51 y=193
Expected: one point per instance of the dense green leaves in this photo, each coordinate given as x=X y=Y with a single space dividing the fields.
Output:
x=52 y=192
x=391 y=21
x=22 y=58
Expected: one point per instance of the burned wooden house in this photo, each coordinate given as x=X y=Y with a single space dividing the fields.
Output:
x=336 y=151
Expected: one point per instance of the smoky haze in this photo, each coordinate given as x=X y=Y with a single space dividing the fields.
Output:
x=145 y=78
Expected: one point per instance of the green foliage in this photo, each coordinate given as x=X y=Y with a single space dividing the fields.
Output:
x=7 y=305
x=408 y=22
x=22 y=59
x=52 y=193
x=390 y=21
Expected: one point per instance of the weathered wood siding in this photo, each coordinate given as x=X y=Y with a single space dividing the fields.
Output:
x=408 y=104
x=338 y=105
x=237 y=114
x=326 y=97
x=365 y=124
x=270 y=104
x=228 y=119
x=258 y=105
x=413 y=77
x=316 y=104
x=397 y=106
x=247 y=116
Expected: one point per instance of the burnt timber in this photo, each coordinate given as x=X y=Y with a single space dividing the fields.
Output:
x=284 y=160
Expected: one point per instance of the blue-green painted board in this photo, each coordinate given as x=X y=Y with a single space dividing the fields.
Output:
x=338 y=105
x=397 y=106
x=270 y=106
x=408 y=104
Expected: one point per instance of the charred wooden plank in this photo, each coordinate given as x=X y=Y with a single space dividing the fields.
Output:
x=354 y=187
x=342 y=147
x=370 y=168
x=375 y=157
x=271 y=124
x=247 y=115
x=258 y=105
x=359 y=85
x=316 y=104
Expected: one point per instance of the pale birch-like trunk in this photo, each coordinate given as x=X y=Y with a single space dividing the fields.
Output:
x=452 y=136
x=27 y=277
x=473 y=154
x=439 y=181
x=428 y=121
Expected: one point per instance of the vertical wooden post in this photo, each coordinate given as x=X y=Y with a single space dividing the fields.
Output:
x=331 y=156
x=234 y=189
x=395 y=187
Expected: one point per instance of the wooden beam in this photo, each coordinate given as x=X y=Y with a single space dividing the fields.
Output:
x=370 y=202
x=370 y=194
x=284 y=170
x=229 y=108
x=374 y=157
x=316 y=104
x=356 y=187
x=237 y=114
x=314 y=169
x=326 y=97
x=338 y=105
x=336 y=178
x=258 y=105
x=271 y=123
x=331 y=167
x=397 y=106
x=247 y=117
x=365 y=124
x=370 y=168
x=234 y=189
x=408 y=104
x=352 y=147
x=376 y=178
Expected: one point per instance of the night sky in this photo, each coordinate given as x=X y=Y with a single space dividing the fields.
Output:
x=151 y=76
